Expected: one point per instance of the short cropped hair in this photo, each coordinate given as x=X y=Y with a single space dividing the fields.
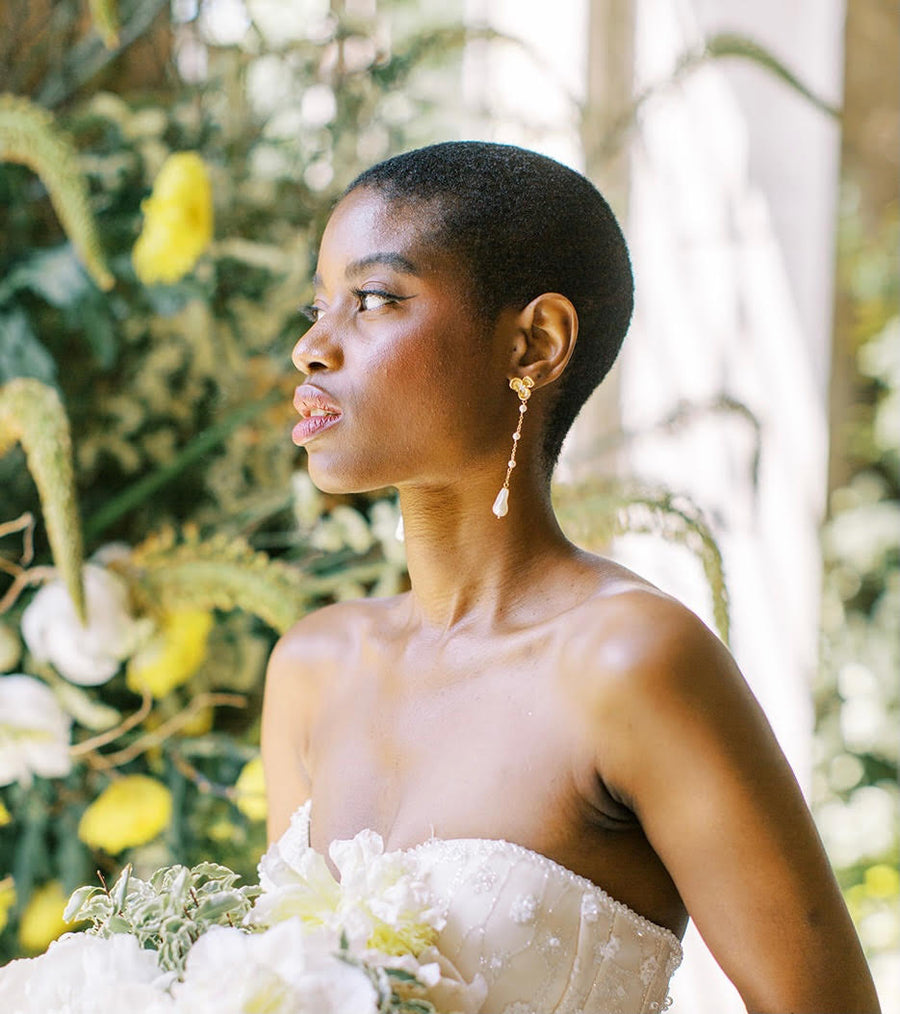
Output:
x=521 y=224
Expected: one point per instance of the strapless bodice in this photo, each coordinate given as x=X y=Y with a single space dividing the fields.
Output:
x=545 y=940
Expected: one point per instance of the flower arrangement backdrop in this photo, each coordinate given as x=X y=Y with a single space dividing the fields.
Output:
x=156 y=249
x=164 y=175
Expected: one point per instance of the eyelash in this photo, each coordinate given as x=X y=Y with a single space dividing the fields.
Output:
x=312 y=313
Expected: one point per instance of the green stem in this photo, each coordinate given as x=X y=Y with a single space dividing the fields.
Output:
x=145 y=488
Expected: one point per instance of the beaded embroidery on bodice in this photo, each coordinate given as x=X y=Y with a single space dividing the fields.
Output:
x=546 y=940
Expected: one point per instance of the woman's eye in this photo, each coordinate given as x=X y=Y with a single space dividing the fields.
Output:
x=311 y=312
x=374 y=300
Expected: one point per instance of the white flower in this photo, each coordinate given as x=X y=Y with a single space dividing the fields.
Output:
x=304 y=888
x=385 y=894
x=443 y=984
x=381 y=901
x=383 y=907
x=285 y=970
x=89 y=654
x=34 y=732
x=83 y=974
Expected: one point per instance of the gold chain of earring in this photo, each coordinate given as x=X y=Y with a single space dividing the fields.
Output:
x=522 y=386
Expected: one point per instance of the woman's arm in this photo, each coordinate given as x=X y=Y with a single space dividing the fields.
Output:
x=284 y=723
x=687 y=747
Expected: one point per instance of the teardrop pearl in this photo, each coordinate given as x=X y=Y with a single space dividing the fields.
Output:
x=501 y=504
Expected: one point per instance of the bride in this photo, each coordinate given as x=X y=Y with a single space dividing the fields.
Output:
x=573 y=752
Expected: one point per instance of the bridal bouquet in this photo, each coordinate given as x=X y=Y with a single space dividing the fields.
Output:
x=299 y=942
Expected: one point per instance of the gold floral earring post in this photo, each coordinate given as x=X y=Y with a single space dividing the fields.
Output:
x=522 y=386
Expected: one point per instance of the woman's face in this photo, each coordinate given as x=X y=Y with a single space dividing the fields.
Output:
x=403 y=382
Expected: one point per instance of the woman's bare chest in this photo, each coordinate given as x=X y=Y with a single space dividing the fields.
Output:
x=497 y=748
x=415 y=754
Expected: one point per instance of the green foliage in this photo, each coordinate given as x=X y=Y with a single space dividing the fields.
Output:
x=167 y=913
x=32 y=414
x=28 y=135
x=218 y=573
x=178 y=397
x=857 y=695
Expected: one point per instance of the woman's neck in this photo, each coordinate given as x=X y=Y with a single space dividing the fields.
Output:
x=468 y=567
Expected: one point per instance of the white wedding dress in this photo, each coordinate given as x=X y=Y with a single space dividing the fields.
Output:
x=545 y=940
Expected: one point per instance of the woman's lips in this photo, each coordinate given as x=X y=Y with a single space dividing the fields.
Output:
x=311 y=427
x=318 y=412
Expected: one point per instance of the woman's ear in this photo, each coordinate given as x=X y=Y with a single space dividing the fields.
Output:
x=547 y=331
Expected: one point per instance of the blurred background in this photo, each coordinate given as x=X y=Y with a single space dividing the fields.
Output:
x=166 y=168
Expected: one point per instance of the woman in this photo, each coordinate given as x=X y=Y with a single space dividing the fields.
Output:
x=469 y=297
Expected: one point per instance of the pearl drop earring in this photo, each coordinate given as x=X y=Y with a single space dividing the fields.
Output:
x=522 y=386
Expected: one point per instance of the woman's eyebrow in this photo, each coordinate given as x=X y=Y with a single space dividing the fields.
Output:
x=393 y=260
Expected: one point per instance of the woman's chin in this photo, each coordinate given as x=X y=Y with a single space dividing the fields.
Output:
x=340 y=480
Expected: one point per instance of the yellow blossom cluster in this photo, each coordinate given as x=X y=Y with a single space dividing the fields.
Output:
x=173 y=655
x=250 y=790
x=42 y=921
x=178 y=220
x=405 y=938
x=130 y=811
x=7 y=900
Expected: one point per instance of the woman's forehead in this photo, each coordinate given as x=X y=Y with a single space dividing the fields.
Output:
x=365 y=223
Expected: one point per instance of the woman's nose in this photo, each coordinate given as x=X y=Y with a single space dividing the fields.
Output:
x=316 y=350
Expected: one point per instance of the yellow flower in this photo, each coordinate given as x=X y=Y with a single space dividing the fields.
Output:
x=129 y=812
x=882 y=881
x=42 y=921
x=250 y=790
x=406 y=938
x=173 y=655
x=199 y=723
x=221 y=830
x=7 y=900
x=178 y=220
x=5 y=816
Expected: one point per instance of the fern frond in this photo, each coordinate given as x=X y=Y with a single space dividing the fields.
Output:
x=32 y=414
x=592 y=513
x=217 y=573
x=29 y=136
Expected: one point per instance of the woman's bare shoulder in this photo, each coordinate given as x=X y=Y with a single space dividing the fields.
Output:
x=324 y=635
x=633 y=655
x=304 y=667
x=681 y=740
x=628 y=627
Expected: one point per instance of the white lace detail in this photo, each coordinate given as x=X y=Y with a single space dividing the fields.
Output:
x=545 y=939
x=597 y=894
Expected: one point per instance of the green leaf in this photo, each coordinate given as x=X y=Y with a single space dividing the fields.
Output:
x=91 y=317
x=400 y=975
x=730 y=44
x=85 y=904
x=21 y=353
x=214 y=907
x=119 y=892
x=54 y=274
